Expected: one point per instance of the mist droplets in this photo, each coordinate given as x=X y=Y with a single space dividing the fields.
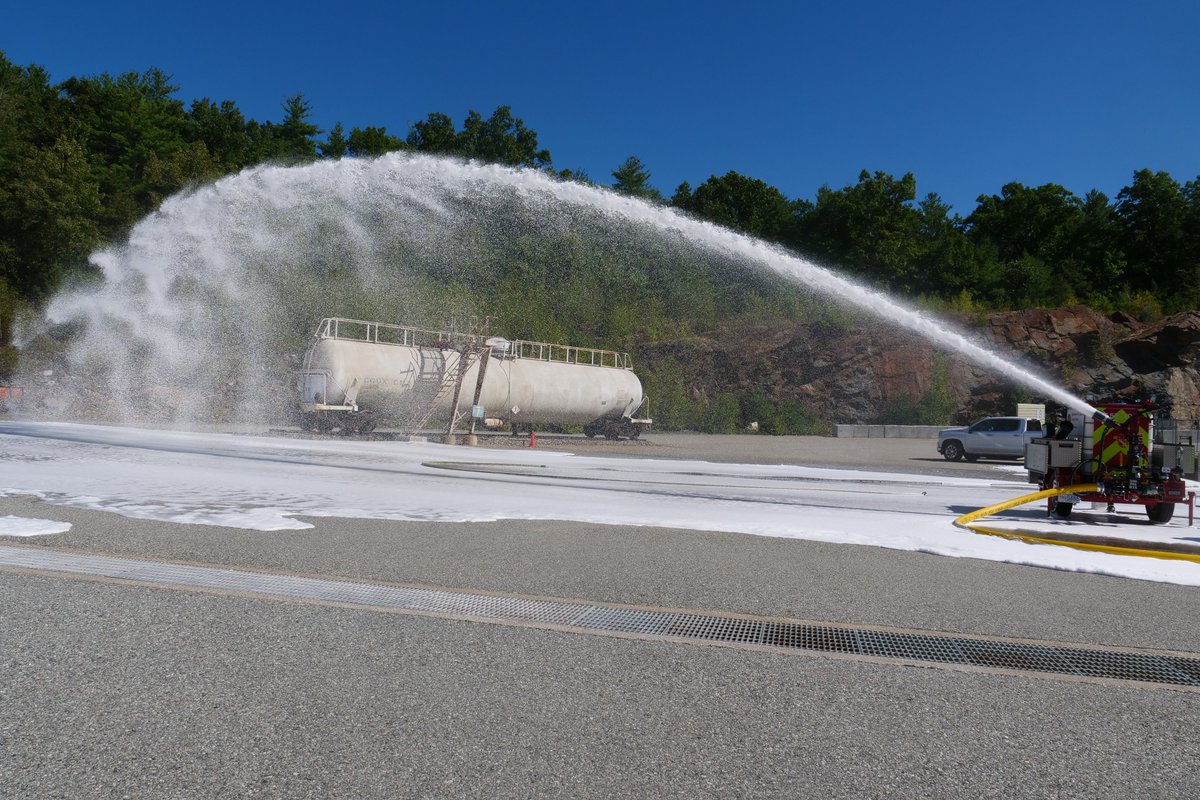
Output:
x=200 y=308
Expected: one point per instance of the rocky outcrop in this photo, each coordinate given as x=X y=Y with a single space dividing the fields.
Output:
x=1171 y=343
x=855 y=374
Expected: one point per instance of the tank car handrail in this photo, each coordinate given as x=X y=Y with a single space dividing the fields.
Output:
x=332 y=328
x=568 y=354
x=364 y=331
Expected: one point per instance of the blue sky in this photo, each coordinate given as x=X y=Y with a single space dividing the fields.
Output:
x=967 y=96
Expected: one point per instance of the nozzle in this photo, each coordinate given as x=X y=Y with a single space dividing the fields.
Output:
x=1103 y=419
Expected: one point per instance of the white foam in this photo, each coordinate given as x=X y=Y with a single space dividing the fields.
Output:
x=24 y=526
x=263 y=483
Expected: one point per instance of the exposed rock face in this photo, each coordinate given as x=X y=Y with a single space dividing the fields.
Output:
x=853 y=375
x=1170 y=343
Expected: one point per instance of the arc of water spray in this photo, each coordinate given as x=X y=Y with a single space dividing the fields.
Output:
x=790 y=266
x=205 y=227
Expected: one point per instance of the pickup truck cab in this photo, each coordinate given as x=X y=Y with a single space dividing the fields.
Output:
x=992 y=437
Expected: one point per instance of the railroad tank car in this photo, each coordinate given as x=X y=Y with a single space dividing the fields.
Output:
x=357 y=371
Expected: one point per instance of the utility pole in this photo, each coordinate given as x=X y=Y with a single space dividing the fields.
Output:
x=484 y=357
x=469 y=347
x=465 y=351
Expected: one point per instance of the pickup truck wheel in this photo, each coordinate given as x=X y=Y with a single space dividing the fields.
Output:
x=1161 y=513
x=952 y=451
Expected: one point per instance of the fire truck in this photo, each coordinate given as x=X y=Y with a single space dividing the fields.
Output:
x=1122 y=453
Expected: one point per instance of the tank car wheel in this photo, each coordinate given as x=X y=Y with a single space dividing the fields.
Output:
x=324 y=423
x=1160 y=513
x=635 y=433
x=952 y=451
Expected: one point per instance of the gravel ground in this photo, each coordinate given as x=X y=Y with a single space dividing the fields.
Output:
x=674 y=568
x=889 y=455
x=114 y=691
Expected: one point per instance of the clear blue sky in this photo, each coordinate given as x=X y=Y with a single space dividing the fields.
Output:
x=967 y=96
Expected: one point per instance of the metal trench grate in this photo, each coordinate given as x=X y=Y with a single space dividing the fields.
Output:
x=1096 y=663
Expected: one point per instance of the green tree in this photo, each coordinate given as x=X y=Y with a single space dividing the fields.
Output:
x=741 y=203
x=1095 y=250
x=632 y=178
x=335 y=144
x=222 y=129
x=503 y=139
x=124 y=123
x=1186 y=294
x=870 y=229
x=295 y=134
x=947 y=264
x=30 y=111
x=372 y=141
x=1156 y=217
x=568 y=174
x=1022 y=220
x=682 y=196
x=290 y=141
x=48 y=211
x=435 y=134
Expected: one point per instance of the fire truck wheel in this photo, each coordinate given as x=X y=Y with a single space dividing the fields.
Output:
x=952 y=451
x=1061 y=510
x=1161 y=513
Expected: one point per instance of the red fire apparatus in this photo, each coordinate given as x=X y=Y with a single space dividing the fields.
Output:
x=1118 y=450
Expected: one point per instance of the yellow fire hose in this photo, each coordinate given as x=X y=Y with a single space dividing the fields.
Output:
x=1182 y=552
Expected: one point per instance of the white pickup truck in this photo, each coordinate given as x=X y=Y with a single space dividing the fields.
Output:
x=992 y=437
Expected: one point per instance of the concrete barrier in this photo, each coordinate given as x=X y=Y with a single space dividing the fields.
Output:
x=889 y=431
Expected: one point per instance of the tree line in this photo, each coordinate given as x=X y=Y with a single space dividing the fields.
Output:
x=82 y=160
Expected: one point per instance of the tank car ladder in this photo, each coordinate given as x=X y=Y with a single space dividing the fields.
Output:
x=441 y=373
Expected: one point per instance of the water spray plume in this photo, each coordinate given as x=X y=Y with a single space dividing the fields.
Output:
x=199 y=294
x=805 y=272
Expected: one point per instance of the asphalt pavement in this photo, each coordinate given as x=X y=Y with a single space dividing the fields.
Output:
x=125 y=690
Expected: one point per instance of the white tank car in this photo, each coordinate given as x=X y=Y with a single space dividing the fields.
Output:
x=357 y=371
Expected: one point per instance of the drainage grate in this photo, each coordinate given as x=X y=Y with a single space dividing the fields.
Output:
x=1175 y=670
